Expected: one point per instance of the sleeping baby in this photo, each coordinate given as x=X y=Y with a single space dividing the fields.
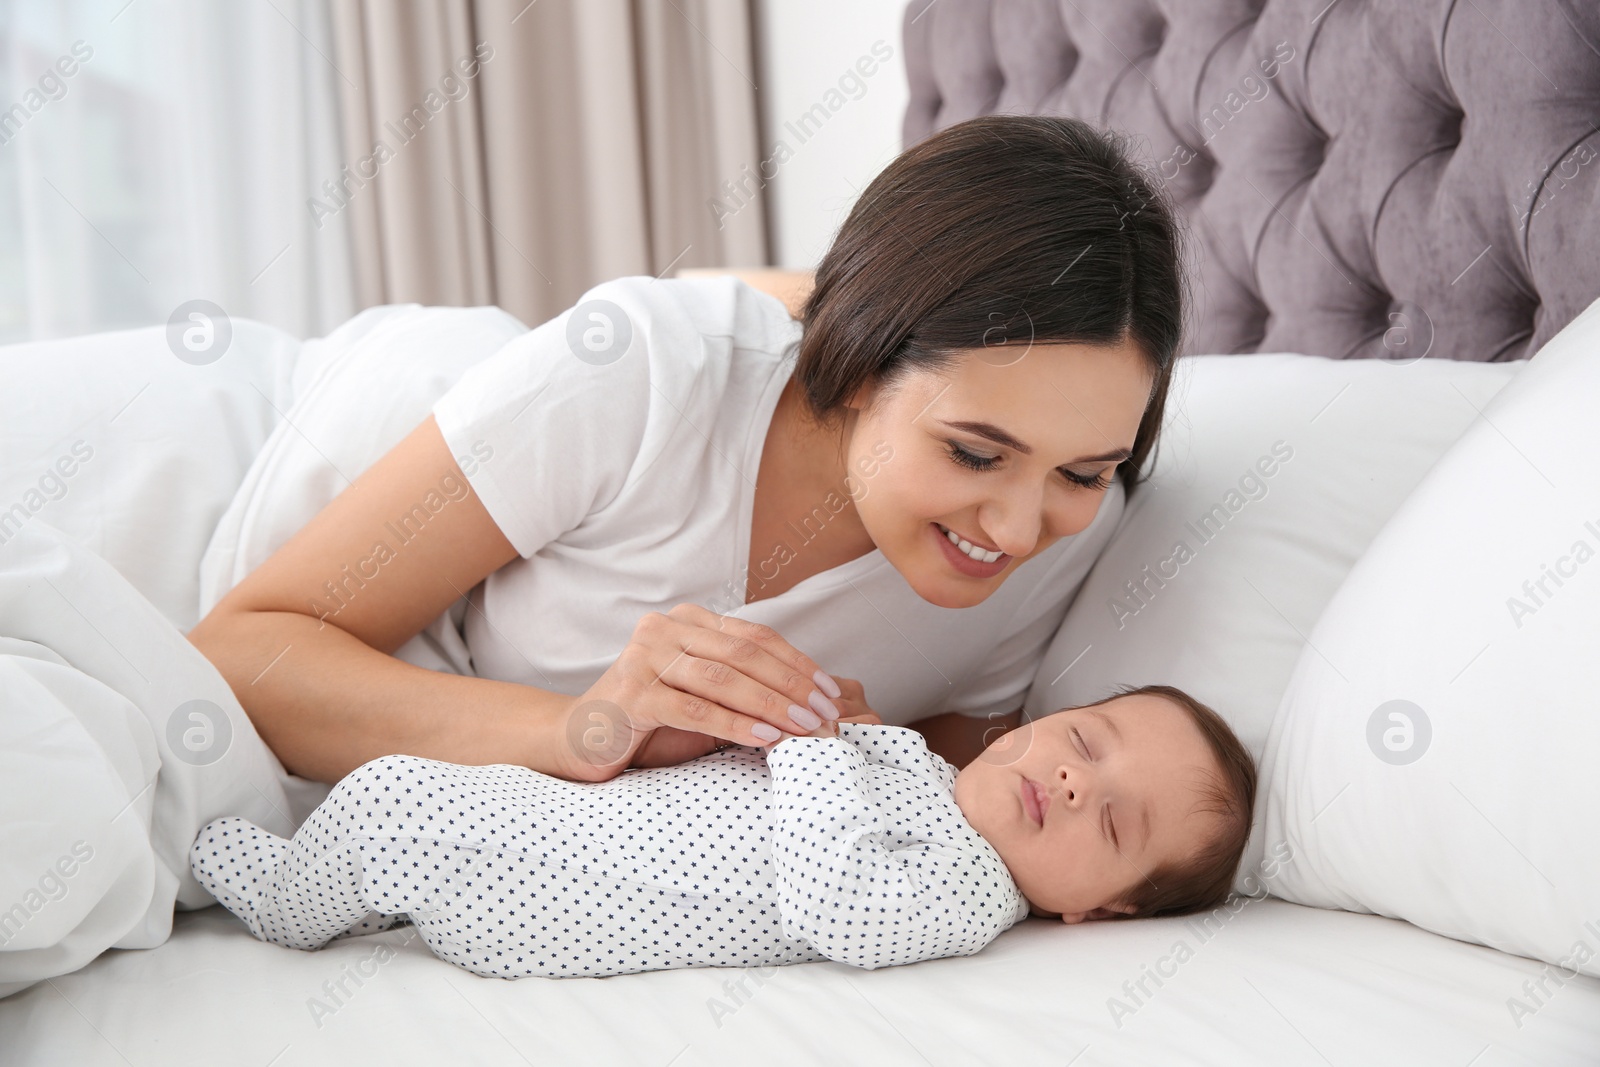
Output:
x=865 y=848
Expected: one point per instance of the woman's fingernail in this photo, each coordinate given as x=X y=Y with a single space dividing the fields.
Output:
x=803 y=718
x=766 y=731
x=824 y=705
x=826 y=684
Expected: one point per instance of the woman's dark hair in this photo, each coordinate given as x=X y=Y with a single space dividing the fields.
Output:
x=1003 y=229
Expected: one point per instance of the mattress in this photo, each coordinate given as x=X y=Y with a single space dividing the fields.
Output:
x=1268 y=982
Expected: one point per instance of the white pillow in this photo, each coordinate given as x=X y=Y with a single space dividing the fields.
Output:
x=1435 y=756
x=1298 y=460
x=120 y=443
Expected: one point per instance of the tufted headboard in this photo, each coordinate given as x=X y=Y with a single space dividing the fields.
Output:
x=1362 y=178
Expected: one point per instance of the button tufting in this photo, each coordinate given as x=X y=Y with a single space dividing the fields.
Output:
x=1316 y=150
x=1158 y=34
x=1408 y=332
x=1450 y=127
x=1474 y=238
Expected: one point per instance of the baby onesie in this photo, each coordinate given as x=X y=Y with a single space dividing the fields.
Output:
x=847 y=848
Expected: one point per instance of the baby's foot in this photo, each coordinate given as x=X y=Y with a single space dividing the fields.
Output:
x=233 y=859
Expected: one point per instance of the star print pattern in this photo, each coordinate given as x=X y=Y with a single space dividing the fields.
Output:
x=848 y=848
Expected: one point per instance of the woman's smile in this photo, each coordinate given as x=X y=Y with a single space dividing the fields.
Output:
x=961 y=561
x=978 y=551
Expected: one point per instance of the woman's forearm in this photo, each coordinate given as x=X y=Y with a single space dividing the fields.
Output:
x=326 y=702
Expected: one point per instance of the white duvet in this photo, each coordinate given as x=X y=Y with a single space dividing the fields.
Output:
x=141 y=488
x=118 y=741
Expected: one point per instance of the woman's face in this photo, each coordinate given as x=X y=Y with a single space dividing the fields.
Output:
x=1066 y=415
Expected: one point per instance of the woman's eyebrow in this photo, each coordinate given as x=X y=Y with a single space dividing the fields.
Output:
x=1000 y=437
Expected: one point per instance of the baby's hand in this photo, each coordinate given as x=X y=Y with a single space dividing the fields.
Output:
x=852 y=702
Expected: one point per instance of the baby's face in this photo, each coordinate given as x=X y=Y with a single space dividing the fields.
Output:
x=1083 y=803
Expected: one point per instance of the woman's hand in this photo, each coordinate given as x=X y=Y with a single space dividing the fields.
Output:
x=697 y=673
x=668 y=746
x=852 y=702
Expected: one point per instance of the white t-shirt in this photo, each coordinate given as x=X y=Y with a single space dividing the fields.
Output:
x=625 y=480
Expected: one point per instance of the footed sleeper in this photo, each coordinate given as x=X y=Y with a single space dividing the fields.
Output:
x=847 y=848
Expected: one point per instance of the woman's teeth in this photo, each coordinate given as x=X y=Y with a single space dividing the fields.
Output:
x=969 y=548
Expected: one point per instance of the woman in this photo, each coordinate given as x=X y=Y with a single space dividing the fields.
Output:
x=697 y=522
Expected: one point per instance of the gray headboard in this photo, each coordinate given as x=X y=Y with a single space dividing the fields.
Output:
x=1362 y=178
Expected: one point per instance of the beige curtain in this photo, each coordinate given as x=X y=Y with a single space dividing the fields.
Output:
x=516 y=153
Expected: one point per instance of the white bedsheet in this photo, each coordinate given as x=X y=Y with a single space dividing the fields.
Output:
x=1273 y=983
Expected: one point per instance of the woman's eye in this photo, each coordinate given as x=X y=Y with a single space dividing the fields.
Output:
x=1098 y=481
x=971 y=460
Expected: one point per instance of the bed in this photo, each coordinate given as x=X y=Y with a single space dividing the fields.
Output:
x=1388 y=227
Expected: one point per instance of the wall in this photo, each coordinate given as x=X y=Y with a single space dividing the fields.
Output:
x=807 y=66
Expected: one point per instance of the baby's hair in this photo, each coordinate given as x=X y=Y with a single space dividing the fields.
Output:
x=1204 y=880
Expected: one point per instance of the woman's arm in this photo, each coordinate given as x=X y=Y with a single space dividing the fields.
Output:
x=960 y=738
x=317 y=677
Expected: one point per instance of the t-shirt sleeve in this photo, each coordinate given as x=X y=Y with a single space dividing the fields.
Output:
x=1001 y=686
x=840 y=885
x=547 y=429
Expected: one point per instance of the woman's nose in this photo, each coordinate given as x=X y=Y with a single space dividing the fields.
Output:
x=1015 y=526
x=1018 y=525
